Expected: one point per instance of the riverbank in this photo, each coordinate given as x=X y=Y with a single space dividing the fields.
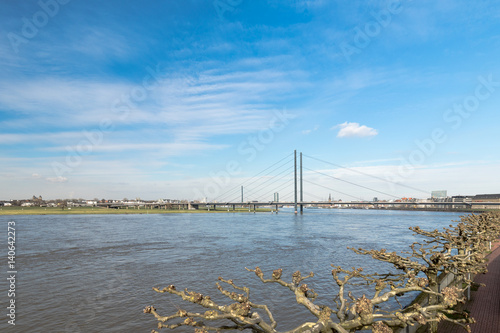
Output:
x=103 y=210
x=453 y=210
x=448 y=210
x=133 y=210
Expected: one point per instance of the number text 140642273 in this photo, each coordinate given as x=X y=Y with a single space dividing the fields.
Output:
x=11 y=273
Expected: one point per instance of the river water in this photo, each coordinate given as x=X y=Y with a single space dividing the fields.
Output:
x=94 y=273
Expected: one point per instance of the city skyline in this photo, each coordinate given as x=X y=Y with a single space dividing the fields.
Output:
x=169 y=99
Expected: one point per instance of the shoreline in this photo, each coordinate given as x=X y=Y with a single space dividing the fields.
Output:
x=422 y=209
x=13 y=211
x=460 y=210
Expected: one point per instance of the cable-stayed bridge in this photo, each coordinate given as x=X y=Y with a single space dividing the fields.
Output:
x=282 y=184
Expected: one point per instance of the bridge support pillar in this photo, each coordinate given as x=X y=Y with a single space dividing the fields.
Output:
x=301 y=187
x=295 y=179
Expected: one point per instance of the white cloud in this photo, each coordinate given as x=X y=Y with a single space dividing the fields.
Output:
x=354 y=130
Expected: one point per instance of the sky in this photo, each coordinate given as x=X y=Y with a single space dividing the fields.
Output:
x=194 y=99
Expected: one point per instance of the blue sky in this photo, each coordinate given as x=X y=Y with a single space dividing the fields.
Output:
x=190 y=99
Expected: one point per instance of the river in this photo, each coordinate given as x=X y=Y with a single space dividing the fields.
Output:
x=82 y=273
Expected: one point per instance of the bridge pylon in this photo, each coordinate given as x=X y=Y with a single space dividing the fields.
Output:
x=295 y=178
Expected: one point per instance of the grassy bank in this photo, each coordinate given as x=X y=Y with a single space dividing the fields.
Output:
x=101 y=210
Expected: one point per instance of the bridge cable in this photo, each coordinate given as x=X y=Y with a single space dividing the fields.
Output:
x=346 y=181
x=253 y=191
x=248 y=180
x=269 y=179
x=239 y=186
x=313 y=195
x=366 y=174
x=286 y=184
x=256 y=179
x=274 y=179
x=331 y=189
x=289 y=194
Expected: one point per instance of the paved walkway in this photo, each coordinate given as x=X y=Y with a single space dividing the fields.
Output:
x=484 y=305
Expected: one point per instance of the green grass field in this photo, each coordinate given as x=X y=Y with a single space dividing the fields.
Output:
x=100 y=210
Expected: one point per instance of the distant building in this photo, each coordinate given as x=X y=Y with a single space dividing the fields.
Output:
x=439 y=194
x=461 y=198
x=487 y=197
x=477 y=199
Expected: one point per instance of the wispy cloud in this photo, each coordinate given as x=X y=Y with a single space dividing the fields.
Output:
x=102 y=43
x=59 y=179
x=310 y=130
x=210 y=104
x=167 y=149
